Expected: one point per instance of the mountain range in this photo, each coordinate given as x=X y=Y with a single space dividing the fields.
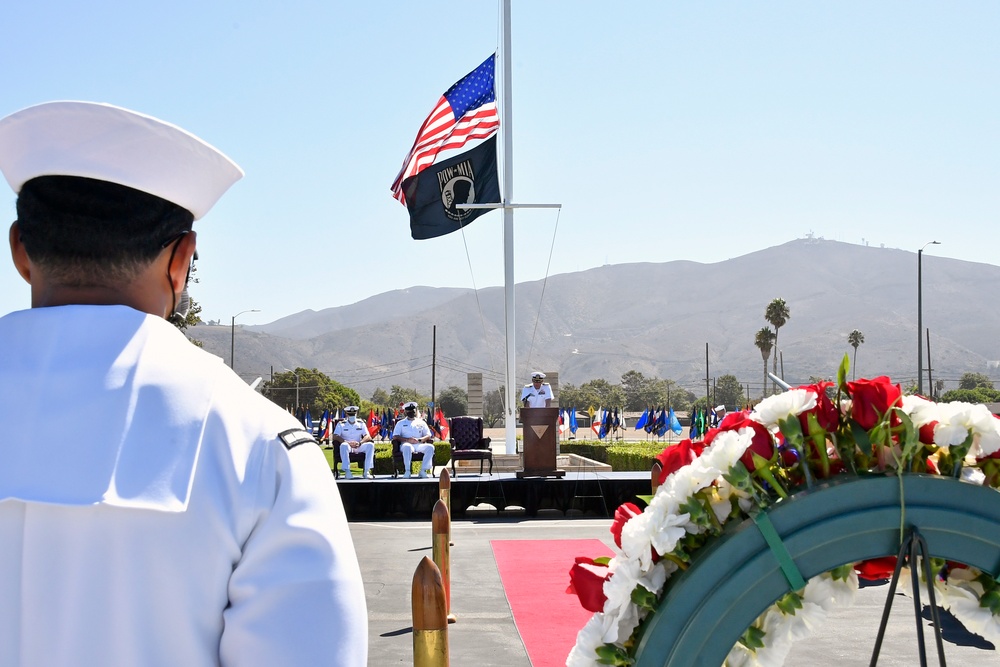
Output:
x=655 y=318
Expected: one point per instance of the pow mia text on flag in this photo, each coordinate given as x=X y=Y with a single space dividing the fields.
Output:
x=433 y=195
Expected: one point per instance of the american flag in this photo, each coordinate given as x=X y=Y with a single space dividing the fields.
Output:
x=467 y=111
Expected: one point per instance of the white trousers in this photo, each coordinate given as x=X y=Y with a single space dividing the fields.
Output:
x=425 y=448
x=367 y=448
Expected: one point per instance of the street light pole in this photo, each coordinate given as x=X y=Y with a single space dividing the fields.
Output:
x=232 y=335
x=920 y=317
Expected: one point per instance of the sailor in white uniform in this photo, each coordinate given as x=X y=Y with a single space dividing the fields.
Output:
x=413 y=434
x=538 y=394
x=175 y=516
x=353 y=437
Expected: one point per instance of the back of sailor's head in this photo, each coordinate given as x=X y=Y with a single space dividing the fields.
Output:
x=102 y=189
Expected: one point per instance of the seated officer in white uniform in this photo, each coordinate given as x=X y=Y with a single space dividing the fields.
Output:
x=538 y=394
x=353 y=437
x=413 y=433
x=188 y=520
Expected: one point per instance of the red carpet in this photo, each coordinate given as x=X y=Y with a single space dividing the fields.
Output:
x=535 y=574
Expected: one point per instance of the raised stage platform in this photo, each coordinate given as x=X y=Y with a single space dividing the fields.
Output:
x=592 y=493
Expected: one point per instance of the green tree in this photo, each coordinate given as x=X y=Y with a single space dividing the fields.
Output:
x=975 y=381
x=764 y=340
x=855 y=338
x=380 y=397
x=398 y=395
x=601 y=393
x=193 y=316
x=728 y=392
x=313 y=390
x=453 y=401
x=493 y=407
x=977 y=395
x=777 y=315
x=569 y=395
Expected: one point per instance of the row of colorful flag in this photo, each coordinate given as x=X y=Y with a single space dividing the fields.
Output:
x=655 y=421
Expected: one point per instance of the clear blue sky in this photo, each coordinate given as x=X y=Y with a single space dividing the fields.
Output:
x=668 y=130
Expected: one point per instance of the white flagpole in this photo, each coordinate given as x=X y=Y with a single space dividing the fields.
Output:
x=510 y=425
x=508 y=206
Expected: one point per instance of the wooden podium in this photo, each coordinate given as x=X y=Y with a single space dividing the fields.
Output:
x=539 y=427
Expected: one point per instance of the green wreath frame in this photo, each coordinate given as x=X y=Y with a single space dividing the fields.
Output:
x=737 y=577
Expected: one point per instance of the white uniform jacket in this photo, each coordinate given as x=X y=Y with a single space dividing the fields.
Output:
x=411 y=428
x=537 y=397
x=150 y=512
x=351 y=432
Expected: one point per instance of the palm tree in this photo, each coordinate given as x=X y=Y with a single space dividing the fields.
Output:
x=777 y=315
x=764 y=340
x=855 y=338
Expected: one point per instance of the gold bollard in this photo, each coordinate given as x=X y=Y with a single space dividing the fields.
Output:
x=430 y=623
x=444 y=492
x=654 y=475
x=440 y=529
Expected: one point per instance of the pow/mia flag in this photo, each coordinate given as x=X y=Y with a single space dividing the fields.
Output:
x=433 y=195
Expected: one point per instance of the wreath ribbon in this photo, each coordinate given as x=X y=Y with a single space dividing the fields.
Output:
x=785 y=562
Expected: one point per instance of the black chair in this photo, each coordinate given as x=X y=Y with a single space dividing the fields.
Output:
x=353 y=457
x=397 y=458
x=468 y=443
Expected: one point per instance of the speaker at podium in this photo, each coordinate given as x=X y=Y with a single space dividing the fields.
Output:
x=539 y=428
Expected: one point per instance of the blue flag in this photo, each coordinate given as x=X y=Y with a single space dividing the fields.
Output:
x=661 y=423
x=675 y=424
x=642 y=420
x=572 y=421
x=309 y=421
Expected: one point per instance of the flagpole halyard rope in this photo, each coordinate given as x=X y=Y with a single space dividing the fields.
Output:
x=482 y=320
x=541 y=297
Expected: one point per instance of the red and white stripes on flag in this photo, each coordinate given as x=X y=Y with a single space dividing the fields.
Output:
x=466 y=112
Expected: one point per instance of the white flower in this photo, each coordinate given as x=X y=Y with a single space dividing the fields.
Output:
x=963 y=603
x=781 y=406
x=670 y=532
x=590 y=637
x=957 y=420
x=920 y=410
x=726 y=449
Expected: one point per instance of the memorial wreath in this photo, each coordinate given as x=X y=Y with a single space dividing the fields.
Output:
x=756 y=460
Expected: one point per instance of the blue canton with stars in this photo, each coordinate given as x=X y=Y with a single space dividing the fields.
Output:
x=474 y=90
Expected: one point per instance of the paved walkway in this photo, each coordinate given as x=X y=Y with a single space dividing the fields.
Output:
x=485 y=634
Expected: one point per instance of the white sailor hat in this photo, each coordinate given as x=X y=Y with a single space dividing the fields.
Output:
x=538 y=375
x=351 y=409
x=719 y=408
x=109 y=143
x=410 y=405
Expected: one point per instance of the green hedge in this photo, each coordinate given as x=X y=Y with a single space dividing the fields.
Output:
x=621 y=456
x=636 y=456
x=595 y=450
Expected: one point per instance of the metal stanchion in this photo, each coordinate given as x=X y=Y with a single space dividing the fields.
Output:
x=430 y=623
x=440 y=530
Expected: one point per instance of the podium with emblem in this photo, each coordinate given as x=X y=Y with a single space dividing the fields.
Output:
x=539 y=428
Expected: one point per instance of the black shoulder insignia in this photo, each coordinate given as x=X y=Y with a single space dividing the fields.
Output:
x=295 y=437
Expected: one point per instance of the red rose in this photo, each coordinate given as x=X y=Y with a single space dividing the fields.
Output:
x=876 y=569
x=871 y=399
x=624 y=512
x=827 y=414
x=675 y=457
x=586 y=580
x=926 y=433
